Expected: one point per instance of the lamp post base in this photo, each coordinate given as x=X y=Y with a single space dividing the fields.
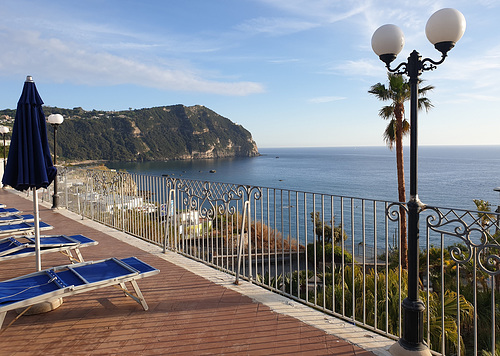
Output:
x=55 y=202
x=398 y=350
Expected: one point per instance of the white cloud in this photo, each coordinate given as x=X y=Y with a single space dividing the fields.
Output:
x=472 y=78
x=361 y=68
x=274 y=26
x=285 y=60
x=304 y=15
x=325 y=99
x=24 y=52
x=324 y=10
x=474 y=97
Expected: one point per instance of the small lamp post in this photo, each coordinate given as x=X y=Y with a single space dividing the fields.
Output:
x=55 y=120
x=4 y=130
x=444 y=28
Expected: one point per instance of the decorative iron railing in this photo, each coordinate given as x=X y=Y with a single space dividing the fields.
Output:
x=334 y=253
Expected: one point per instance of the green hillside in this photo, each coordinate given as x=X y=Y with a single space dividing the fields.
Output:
x=159 y=133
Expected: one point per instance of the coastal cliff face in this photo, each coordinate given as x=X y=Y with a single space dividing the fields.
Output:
x=153 y=134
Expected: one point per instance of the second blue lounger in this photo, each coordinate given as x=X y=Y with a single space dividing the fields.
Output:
x=16 y=218
x=9 y=211
x=24 y=246
x=22 y=228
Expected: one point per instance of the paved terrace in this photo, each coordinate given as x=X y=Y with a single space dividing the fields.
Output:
x=193 y=309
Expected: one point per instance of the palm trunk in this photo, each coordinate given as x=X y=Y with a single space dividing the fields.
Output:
x=401 y=187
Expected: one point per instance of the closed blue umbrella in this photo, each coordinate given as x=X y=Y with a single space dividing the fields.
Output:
x=29 y=165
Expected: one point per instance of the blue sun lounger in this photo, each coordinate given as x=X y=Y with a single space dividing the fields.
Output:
x=16 y=218
x=65 y=281
x=22 y=228
x=9 y=211
x=23 y=246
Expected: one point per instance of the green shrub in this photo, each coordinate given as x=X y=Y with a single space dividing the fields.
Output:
x=337 y=253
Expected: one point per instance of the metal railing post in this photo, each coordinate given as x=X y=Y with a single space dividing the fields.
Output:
x=241 y=241
x=171 y=214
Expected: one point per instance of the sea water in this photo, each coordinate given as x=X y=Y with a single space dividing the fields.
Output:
x=448 y=176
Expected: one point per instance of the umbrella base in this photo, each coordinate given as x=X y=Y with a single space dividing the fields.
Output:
x=41 y=308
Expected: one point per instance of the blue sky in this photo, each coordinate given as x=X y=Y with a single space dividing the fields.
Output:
x=293 y=72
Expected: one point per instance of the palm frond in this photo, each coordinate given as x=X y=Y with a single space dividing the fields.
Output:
x=387 y=112
x=380 y=91
x=406 y=127
x=424 y=103
x=424 y=90
x=390 y=134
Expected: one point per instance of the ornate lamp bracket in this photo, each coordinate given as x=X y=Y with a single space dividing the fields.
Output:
x=415 y=65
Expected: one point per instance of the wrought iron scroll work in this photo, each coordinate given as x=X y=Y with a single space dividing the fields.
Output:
x=393 y=211
x=476 y=240
x=210 y=198
x=400 y=69
x=423 y=65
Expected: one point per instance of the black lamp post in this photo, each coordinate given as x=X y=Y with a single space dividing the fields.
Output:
x=4 y=130
x=55 y=120
x=444 y=28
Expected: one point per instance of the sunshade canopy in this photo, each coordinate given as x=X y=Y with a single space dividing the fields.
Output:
x=29 y=164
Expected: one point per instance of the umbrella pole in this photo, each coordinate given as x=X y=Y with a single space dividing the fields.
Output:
x=36 y=224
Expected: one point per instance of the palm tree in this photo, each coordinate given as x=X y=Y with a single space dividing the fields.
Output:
x=398 y=92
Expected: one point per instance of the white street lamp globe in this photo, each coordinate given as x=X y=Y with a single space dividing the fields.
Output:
x=4 y=130
x=445 y=25
x=388 y=39
x=55 y=119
